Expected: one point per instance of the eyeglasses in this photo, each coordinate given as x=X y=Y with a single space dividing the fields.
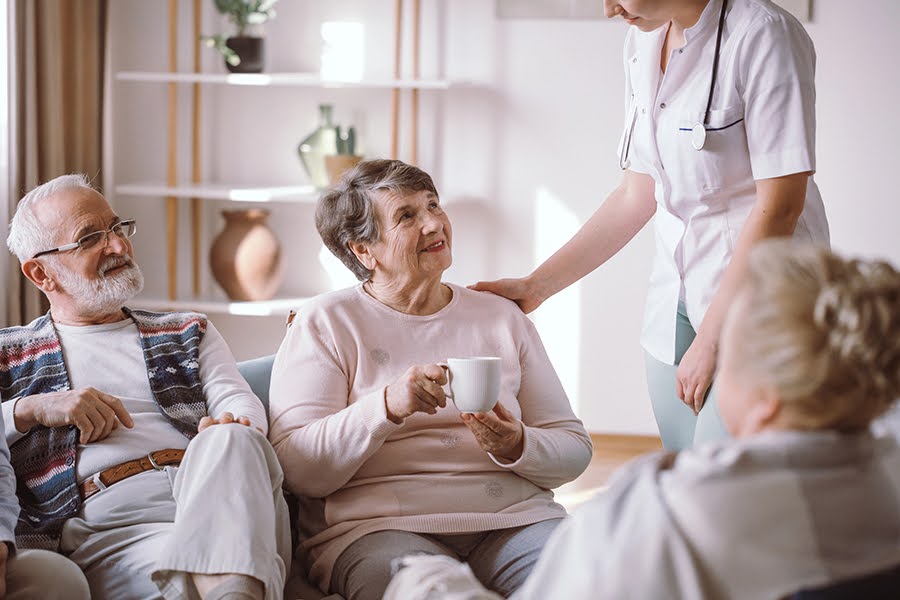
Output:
x=123 y=229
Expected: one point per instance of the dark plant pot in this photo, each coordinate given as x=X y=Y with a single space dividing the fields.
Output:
x=251 y=51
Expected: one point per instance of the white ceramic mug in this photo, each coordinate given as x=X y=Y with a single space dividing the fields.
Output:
x=473 y=383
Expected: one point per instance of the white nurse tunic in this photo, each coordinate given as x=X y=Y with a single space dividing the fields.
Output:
x=762 y=125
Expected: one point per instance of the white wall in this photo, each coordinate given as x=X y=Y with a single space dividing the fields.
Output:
x=858 y=87
x=521 y=159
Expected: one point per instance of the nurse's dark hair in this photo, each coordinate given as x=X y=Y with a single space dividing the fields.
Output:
x=345 y=213
x=825 y=331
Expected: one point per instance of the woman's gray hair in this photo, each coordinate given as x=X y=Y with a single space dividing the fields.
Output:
x=345 y=213
x=825 y=331
x=27 y=236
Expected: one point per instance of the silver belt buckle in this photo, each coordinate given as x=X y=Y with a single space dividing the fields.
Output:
x=156 y=466
x=96 y=479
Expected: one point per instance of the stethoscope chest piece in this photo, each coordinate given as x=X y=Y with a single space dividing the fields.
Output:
x=698 y=136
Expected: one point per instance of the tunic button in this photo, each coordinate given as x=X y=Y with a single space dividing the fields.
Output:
x=70 y=461
x=643 y=111
x=680 y=50
x=663 y=105
x=634 y=60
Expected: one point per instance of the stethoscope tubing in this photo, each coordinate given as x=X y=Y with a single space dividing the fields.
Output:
x=715 y=69
x=697 y=141
x=714 y=128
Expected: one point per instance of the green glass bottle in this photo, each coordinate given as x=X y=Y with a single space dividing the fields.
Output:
x=316 y=146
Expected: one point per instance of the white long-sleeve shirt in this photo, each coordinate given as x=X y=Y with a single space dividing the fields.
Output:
x=110 y=358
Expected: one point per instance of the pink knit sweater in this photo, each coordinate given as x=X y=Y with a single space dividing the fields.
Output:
x=358 y=472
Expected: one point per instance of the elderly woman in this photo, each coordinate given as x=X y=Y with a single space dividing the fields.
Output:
x=383 y=464
x=804 y=497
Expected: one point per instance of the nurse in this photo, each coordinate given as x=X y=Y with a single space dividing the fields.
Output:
x=719 y=145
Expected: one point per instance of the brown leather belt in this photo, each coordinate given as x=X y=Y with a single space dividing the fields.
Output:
x=155 y=460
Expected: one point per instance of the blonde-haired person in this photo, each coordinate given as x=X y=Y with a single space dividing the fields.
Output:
x=804 y=497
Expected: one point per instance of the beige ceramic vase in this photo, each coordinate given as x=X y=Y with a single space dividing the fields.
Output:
x=246 y=256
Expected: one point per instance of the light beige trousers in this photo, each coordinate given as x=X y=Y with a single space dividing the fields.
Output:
x=42 y=574
x=221 y=511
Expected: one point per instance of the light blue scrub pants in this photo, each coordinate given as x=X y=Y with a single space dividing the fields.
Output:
x=678 y=427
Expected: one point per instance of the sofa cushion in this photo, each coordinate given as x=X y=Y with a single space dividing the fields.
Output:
x=258 y=372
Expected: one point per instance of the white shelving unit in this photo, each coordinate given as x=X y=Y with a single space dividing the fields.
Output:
x=310 y=80
x=261 y=308
x=197 y=189
x=296 y=193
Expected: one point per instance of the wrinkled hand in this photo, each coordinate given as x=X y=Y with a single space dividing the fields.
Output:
x=695 y=373
x=519 y=291
x=93 y=412
x=417 y=390
x=226 y=419
x=497 y=432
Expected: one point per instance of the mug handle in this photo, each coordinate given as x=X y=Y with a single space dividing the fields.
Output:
x=449 y=392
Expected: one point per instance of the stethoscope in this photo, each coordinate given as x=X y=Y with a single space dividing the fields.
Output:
x=698 y=131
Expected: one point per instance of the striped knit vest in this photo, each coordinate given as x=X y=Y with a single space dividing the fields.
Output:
x=31 y=362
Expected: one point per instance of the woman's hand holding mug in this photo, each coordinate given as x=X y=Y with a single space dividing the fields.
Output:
x=417 y=390
x=498 y=432
x=474 y=388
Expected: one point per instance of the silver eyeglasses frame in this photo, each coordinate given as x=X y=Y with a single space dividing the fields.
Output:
x=123 y=229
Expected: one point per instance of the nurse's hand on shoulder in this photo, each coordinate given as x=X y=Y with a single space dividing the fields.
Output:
x=417 y=390
x=695 y=372
x=521 y=291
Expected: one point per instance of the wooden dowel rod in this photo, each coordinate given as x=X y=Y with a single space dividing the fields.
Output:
x=196 y=174
x=172 y=163
x=395 y=92
x=414 y=95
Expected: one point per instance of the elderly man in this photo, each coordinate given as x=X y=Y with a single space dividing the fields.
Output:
x=140 y=451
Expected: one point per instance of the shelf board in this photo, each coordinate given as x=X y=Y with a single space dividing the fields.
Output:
x=290 y=193
x=260 y=308
x=283 y=79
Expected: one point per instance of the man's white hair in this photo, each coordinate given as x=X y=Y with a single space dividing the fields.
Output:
x=27 y=236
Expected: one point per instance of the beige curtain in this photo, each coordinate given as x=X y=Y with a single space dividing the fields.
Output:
x=57 y=109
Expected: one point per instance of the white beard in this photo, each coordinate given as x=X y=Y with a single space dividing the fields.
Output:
x=104 y=295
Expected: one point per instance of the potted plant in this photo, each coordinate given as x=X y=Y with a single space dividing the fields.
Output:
x=243 y=52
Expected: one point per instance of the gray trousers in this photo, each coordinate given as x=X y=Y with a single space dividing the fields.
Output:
x=221 y=511
x=501 y=559
x=47 y=575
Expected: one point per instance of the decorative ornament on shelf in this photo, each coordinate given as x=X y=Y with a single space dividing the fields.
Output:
x=243 y=52
x=328 y=151
x=245 y=257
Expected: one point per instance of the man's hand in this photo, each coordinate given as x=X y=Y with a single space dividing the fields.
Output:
x=93 y=412
x=225 y=419
x=497 y=432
